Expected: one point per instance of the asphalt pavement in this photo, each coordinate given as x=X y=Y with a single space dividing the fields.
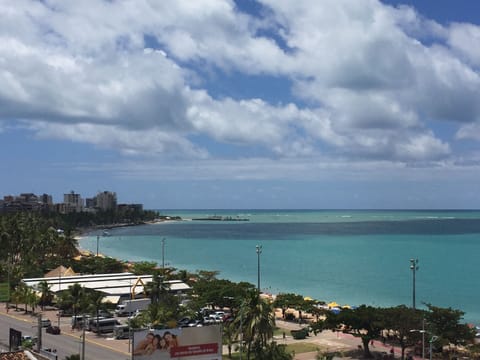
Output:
x=68 y=342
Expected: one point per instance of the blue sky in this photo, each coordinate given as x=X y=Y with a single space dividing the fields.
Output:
x=247 y=104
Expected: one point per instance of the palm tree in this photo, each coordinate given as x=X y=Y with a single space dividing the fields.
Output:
x=32 y=299
x=74 y=295
x=156 y=289
x=95 y=298
x=46 y=295
x=23 y=292
x=257 y=321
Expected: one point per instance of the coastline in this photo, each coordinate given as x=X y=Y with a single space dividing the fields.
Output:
x=331 y=262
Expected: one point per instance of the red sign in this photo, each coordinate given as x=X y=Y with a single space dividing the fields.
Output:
x=194 y=350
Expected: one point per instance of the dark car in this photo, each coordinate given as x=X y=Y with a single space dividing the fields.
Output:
x=55 y=330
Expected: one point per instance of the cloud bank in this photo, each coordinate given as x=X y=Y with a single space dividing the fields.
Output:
x=367 y=82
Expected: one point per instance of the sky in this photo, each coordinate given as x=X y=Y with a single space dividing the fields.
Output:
x=331 y=104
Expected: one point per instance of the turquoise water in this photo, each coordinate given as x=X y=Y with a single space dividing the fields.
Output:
x=352 y=257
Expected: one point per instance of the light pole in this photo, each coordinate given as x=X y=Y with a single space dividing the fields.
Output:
x=414 y=268
x=58 y=293
x=163 y=256
x=259 y=251
x=432 y=340
x=423 y=331
x=98 y=239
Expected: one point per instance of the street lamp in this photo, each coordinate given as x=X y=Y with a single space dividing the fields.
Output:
x=423 y=331
x=98 y=239
x=432 y=340
x=163 y=256
x=414 y=268
x=259 y=251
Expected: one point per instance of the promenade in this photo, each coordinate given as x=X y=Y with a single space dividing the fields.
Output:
x=327 y=341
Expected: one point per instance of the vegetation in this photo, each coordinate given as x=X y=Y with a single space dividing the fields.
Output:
x=32 y=245
x=400 y=326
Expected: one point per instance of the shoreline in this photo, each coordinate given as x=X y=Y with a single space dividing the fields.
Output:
x=331 y=284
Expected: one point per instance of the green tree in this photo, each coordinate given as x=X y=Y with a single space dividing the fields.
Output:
x=272 y=351
x=256 y=320
x=402 y=320
x=144 y=267
x=46 y=294
x=289 y=300
x=445 y=324
x=73 y=357
x=364 y=322
x=74 y=296
x=95 y=304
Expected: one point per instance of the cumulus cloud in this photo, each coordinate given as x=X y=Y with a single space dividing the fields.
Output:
x=368 y=81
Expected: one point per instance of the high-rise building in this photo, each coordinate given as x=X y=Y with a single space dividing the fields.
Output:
x=106 y=200
x=73 y=202
x=46 y=199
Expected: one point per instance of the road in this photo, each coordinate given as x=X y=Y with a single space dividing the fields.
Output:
x=67 y=343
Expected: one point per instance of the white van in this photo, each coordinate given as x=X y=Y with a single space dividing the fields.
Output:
x=103 y=325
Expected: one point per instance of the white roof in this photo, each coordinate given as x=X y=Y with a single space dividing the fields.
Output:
x=111 y=284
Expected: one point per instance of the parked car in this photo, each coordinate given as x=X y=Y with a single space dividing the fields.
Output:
x=195 y=323
x=183 y=322
x=54 y=330
x=105 y=314
x=46 y=323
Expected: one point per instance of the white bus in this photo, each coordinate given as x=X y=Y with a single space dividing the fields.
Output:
x=103 y=325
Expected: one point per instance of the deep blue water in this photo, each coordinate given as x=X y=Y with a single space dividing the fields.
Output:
x=352 y=257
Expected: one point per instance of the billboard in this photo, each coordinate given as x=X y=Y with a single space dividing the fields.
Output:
x=15 y=339
x=182 y=343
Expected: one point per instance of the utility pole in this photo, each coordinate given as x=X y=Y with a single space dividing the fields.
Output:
x=98 y=239
x=39 y=336
x=259 y=251
x=414 y=268
x=83 y=339
x=163 y=256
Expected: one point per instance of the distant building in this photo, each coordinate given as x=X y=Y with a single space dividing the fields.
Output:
x=72 y=202
x=25 y=202
x=106 y=200
x=46 y=199
x=90 y=203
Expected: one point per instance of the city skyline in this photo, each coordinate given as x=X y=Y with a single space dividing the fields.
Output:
x=249 y=104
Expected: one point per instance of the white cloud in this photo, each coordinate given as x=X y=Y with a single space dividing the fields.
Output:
x=152 y=142
x=130 y=76
x=465 y=39
x=469 y=131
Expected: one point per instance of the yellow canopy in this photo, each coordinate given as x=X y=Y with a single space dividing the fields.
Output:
x=307 y=298
x=333 y=304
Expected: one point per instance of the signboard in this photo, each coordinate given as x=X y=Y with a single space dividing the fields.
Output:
x=4 y=292
x=15 y=339
x=193 y=343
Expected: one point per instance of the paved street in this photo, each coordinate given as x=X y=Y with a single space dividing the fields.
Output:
x=69 y=342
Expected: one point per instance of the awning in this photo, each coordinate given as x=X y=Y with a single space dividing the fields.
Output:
x=111 y=298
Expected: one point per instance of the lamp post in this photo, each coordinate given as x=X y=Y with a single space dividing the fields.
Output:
x=432 y=340
x=98 y=239
x=414 y=268
x=59 y=289
x=259 y=251
x=163 y=256
x=423 y=331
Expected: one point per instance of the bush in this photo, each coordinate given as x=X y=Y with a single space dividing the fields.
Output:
x=299 y=334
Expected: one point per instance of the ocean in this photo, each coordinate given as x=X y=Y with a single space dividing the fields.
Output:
x=349 y=256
